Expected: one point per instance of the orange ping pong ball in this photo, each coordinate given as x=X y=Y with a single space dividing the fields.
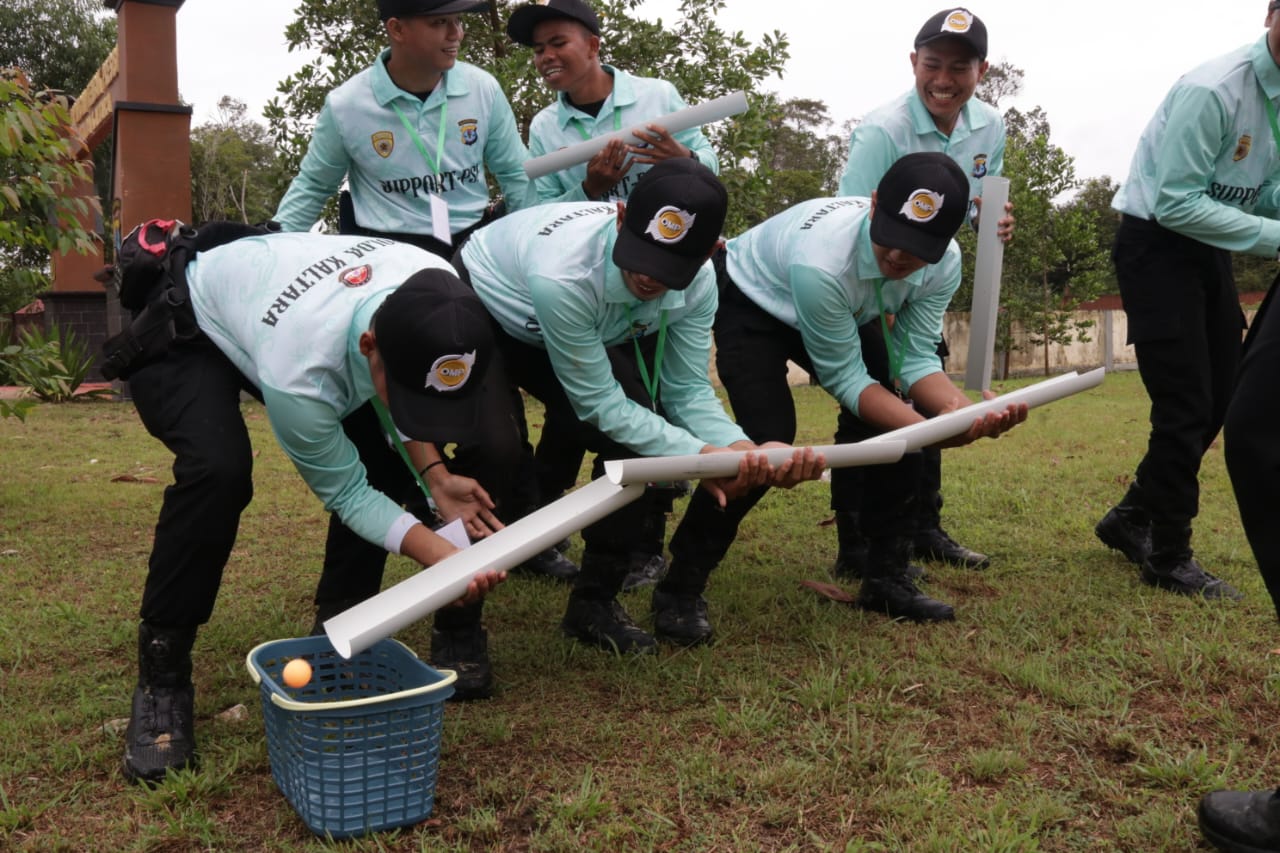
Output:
x=297 y=672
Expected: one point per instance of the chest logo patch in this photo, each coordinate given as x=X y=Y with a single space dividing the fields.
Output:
x=1242 y=148
x=451 y=372
x=470 y=130
x=958 y=21
x=356 y=276
x=979 y=165
x=670 y=225
x=384 y=142
x=922 y=205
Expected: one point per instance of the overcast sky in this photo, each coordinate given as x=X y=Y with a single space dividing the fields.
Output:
x=1099 y=68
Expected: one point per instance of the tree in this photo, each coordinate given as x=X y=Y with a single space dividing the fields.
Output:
x=801 y=163
x=702 y=60
x=58 y=44
x=39 y=215
x=235 y=171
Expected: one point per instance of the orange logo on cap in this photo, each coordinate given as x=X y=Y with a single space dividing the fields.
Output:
x=670 y=225
x=451 y=372
x=958 y=21
x=1242 y=147
x=384 y=142
x=922 y=205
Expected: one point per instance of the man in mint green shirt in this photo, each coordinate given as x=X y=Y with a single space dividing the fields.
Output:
x=1202 y=184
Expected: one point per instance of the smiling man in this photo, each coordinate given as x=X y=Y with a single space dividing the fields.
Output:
x=566 y=281
x=413 y=134
x=939 y=114
x=804 y=286
x=594 y=99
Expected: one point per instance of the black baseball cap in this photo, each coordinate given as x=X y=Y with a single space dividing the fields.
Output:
x=672 y=221
x=523 y=20
x=958 y=24
x=409 y=8
x=436 y=343
x=921 y=203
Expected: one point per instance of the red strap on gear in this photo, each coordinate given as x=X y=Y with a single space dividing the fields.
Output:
x=166 y=228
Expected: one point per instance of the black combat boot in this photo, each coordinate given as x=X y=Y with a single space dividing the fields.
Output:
x=679 y=610
x=161 y=732
x=851 y=556
x=594 y=615
x=1241 y=821
x=459 y=642
x=936 y=544
x=1171 y=565
x=1127 y=528
x=888 y=589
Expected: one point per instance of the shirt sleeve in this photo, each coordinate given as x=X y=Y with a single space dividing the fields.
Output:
x=918 y=324
x=310 y=433
x=555 y=187
x=693 y=138
x=871 y=153
x=687 y=395
x=830 y=334
x=325 y=165
x=504 y=155
x=582 y=365
x=1185 y=156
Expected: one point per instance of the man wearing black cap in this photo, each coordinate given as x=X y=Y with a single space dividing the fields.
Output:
x=938 y=114
x=332 y=334
x=1202 y=184
x=412 y=135
x=565 y=281
x=594 y=99
x=797 y=287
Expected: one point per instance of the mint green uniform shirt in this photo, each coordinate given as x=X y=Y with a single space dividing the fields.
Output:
x=1206 y=165
x=903 y=126
x=812 y=267
x=547 y=276
x=634 y=101
x=288 y=311
x=359 y=136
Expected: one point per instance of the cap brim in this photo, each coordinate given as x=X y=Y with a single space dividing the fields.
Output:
x=433 y=418
x=639 y=255
x=455 y=7
x=521 y=24
x=892 y=233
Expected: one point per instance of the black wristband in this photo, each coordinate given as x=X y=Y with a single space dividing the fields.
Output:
x=429 y=466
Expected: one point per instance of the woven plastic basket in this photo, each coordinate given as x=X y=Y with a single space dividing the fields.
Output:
x=354 y=750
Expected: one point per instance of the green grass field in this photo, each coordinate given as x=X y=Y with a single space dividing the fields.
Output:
x=1068 y=707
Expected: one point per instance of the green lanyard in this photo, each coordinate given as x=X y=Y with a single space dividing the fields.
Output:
x=1271 y=114
x=390 y=427
x=650 y=385
x=896 y=355
x=417 y=140
x=582 y=131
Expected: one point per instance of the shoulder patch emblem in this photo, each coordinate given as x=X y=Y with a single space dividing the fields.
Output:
x=356 y=276
x=384 y=142
x=979 y=165
x=470 y=129
x=1242 y=147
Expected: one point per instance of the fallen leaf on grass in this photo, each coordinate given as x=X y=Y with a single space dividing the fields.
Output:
x=829 y=590
x=130 y=478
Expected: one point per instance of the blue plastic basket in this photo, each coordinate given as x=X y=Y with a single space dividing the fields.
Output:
x=354 y=750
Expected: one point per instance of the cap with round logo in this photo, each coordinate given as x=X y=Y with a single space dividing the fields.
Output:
x=672 y=222
x=958 y=24
x=920 y=204
x=522 y=22
x=436 y=343
x=409 y=8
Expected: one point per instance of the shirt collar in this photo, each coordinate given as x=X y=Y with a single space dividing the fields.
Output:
x=360 y=322
x=623 y=95
x=967 y=122
x=1265 y=68
x=385 y=90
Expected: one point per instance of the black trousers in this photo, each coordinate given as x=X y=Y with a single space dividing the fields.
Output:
x=1185 y=324
x=190 y=400
x=1251 y=449
x=752 y=350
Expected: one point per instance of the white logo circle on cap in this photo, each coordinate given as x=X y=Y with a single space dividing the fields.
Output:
x=922 y=205
x=958 y=21
x=451 y=372
x=670 y=224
